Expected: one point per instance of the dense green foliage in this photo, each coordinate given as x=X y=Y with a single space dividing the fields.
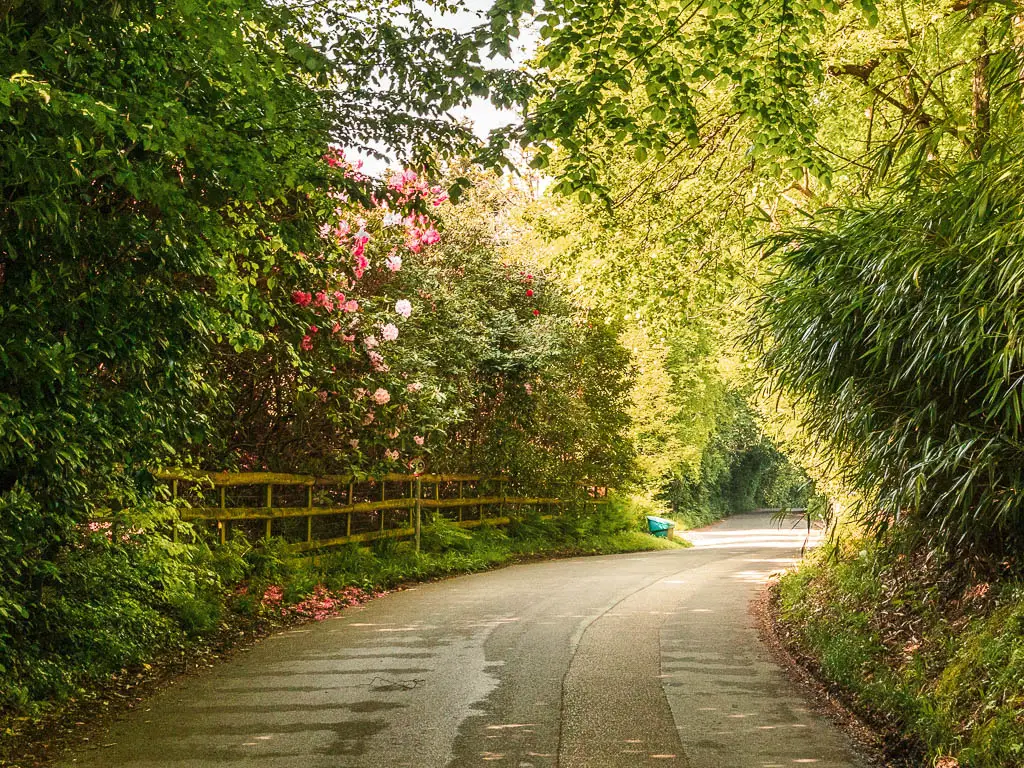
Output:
x=929 y=654
x=659 y=76
x=177 y=227
x=910 y=108
x=898 y=325
x=740 y=470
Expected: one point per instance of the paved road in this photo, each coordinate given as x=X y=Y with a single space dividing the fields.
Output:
x=602 y=662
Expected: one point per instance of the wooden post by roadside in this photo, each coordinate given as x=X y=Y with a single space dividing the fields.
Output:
x=419 y=511
x=223 y=523
x=270 y=504
x=174 y=498
x=309 y=518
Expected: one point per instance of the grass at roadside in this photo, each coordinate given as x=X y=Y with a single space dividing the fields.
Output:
x=932 y=654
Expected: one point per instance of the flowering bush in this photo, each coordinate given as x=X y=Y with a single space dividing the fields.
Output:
x=300 y=401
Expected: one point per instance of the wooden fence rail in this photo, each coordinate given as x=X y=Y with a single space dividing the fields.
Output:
x=316 y=512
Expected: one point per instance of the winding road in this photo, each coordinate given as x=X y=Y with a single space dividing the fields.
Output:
x=603 y=662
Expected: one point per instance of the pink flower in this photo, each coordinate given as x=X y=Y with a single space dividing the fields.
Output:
x=370 y=342
x=402 y=180
x=394 y=262
x=381 y=396
x=418 y=439
x=362 y=264
x=302 y=298
x=354 y=443
x=348 y=337
x=529 y=388
x=359 y=393
x=391 y=455
x=313 y=329
x=322 y=395
x=323 y=300
x=351 y=305
x=414 y=387
x=389 y=332
x=339 y=297
x=368 y=418
x=377 y=361
x=430 y=237
x=529 y=292
x=403 y=307
x=394 y=433
x=536 y=312
x=307 y=343
x=439 y=195
x=335 y=327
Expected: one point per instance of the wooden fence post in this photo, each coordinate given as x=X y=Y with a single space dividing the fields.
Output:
x=419 y=511
x=174 y=498
x=270 y=503
x=348 y=520
x=309 y=518
x=223 y=523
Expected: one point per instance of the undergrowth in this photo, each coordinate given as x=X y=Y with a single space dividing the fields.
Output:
x=931 y=652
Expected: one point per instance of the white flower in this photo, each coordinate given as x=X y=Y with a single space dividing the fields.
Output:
x=391 y=219
x=370 y=342
x=389 y=332
x=394 y=263
x=403 y=307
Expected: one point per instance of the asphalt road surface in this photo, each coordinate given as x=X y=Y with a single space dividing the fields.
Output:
x=602 y=662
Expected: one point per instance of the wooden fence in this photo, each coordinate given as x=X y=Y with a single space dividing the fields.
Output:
x=312 y=512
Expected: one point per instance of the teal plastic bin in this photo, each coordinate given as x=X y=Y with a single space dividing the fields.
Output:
x=660 y=527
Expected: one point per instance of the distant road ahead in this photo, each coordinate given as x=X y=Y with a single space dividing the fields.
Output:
x=603 y=662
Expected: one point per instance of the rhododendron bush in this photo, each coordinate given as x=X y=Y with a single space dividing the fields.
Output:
x=330 y=387
x=405 y=333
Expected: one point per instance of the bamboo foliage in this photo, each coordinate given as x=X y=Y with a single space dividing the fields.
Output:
x=899 y=330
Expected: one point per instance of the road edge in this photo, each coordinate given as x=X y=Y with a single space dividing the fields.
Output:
x=868 y=743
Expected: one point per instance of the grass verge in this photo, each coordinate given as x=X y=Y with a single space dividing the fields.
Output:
x=931 y=654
